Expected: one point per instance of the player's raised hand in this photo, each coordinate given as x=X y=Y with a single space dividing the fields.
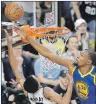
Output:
x=20 y=31
x=76 y=53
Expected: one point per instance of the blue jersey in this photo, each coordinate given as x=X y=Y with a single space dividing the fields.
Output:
x=85 y=85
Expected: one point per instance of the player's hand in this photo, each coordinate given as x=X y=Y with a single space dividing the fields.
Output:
x=9 y=39
x=20 y=31
x=13 y=82
x=76 y=52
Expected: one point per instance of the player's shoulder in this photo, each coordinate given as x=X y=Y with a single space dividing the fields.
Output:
x=95 y=67
x=46 y=91
x=94 y=70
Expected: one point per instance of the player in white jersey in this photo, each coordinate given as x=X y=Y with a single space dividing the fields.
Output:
x=37 y=94
x=32 y=88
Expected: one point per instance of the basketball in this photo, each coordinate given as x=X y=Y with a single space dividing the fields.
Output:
x=13 y=11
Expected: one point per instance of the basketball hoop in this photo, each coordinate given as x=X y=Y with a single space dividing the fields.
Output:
x=44 y=32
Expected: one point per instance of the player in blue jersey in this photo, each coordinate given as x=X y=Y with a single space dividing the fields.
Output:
x=84 y=69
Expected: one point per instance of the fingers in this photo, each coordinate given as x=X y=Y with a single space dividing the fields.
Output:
x=20 y=31
x=13 y=82
x=16 y=28
x=6 y=33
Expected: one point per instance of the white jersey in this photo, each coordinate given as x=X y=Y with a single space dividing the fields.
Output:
x=38 y=98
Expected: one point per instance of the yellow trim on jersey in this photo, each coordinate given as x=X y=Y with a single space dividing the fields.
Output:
x=73 y=70
x=86 y=73
x=94 y=76
x=95 y=79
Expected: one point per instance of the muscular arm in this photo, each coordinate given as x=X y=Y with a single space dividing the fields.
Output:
x=53 y=96
x=13 y=62
x=43 y=50
x=76 y=9
x=49 y=54
x=67 y=97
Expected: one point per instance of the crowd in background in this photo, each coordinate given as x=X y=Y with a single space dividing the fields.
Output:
x=80 y=18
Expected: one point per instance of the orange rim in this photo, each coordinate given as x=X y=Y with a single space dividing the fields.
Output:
x=45 y=32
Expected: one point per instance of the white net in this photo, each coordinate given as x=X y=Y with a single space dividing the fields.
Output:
x=46 y=64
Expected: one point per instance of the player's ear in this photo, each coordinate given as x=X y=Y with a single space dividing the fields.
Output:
x=89 y=61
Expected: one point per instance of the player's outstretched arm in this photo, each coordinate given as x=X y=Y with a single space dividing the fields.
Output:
x=13 y=61
x=53 y=96
x=43 y=50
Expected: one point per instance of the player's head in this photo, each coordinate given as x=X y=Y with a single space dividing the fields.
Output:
x=72 y=43
x=81 y=25
x=86 y=58
x=31 y=84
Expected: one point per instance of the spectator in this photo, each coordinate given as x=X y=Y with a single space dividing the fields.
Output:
x=24 y=66
x=38 y=16
x=86 y=10
x=66 y=36
x=32 y=85
x=85 y=38
x=47 y=74
x=83 y=74
x=47 y=71
x=66 y=13
x=46 y=7
x=71 y=48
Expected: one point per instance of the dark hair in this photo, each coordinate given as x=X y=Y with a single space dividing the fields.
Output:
x=92 y=56
x=68 y=42
x=31 y=85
